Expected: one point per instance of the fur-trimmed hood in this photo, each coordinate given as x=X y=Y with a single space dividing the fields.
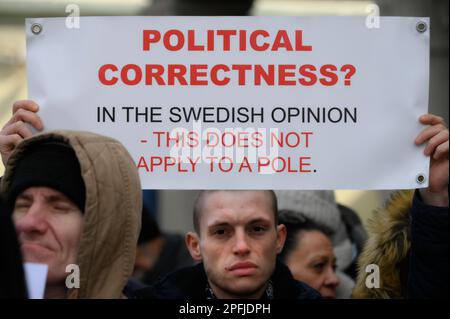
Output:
x=387 y=247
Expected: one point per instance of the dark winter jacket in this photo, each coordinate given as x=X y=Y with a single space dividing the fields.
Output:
x=191 y=283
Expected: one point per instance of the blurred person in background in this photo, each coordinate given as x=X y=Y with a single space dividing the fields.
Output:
x=158 y=253
x=343 y=226
x=308 y=252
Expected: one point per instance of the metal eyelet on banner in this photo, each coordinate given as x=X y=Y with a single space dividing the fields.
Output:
x=36 y=28
x=421 y=27
x=420 y=178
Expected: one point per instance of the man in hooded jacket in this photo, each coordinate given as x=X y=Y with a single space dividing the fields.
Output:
x=76 y=201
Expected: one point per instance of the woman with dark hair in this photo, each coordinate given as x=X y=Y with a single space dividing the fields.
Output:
x=308 y=252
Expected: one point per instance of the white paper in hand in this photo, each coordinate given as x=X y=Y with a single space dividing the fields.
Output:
x=36 y=277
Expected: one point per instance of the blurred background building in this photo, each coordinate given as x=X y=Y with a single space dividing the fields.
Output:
x=173 y=208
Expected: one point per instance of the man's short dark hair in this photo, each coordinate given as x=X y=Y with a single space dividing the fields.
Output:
x=204 y=193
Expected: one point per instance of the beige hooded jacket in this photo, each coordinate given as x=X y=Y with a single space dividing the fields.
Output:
x=112 y=214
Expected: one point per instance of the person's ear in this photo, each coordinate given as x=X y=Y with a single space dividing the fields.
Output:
x=193 y=245
x=281 y=237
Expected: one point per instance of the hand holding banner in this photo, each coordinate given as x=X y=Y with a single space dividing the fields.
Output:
x=227 y=102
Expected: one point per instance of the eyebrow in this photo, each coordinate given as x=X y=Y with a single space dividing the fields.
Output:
x=322 y=257
x=218 y=224
x=253 y=221
x=52 y=198
x=260 y=220
x=24 y=196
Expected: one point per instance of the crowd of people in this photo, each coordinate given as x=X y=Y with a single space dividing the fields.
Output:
x=75 y=198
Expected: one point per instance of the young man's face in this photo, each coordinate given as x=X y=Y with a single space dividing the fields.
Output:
x=49 y=226
x=239 y=242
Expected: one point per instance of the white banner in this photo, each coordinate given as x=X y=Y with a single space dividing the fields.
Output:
x=242 y=102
